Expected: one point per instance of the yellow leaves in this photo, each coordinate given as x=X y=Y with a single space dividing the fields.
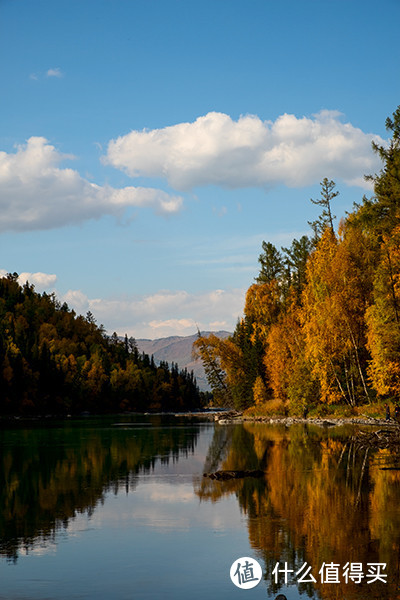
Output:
x=276 y=360
x=208 y=349
x=127 y=379
x=68 y=365
x=259 y=392
x=47 y=332
x=48 y=336
x=336 y=339
x=289 y=371
x=12 y=348
x=262 y=306
x=334 y=303
x=383 y=319
x=231 y=358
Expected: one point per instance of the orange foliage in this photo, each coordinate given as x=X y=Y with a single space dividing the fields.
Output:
x=383 y=319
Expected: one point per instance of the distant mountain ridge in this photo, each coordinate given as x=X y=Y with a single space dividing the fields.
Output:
x=178 y=349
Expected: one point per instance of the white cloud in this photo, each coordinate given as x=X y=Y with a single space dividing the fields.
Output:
x=55 y=72
x=179 y=326
x=218 y=325
x=41 y=281
x=163 y=313
x=77 y=300
x=248 y=152
x=35 y=193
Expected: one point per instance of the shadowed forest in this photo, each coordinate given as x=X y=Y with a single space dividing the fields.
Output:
x=55 y=362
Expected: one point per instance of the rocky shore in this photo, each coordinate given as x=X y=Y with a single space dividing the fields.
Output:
x=231 y=417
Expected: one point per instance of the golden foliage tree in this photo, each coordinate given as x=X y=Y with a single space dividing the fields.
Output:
x=383 y=319
x=335 y=299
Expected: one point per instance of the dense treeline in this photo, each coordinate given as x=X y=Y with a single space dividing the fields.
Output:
x=322 y=322
x=53 y=361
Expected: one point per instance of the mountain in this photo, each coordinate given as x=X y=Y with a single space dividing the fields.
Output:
x=178 y=349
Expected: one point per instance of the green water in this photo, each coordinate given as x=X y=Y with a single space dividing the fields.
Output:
x=118 y=508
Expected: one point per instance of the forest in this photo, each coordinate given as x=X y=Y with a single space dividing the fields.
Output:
x=321 y=324
x=55 y=362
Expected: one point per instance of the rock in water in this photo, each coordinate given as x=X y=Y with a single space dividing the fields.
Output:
x=224 y=475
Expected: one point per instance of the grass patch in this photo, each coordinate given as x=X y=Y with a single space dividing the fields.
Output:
x=278 y=408
x=271 y=408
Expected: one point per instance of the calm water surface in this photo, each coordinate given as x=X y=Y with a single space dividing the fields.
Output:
x=118 y=508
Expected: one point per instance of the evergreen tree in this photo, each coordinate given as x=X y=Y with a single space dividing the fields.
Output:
x=52 y=361
x=326 y=218
x=381 y=213
x=296 y=258
x=272 y=263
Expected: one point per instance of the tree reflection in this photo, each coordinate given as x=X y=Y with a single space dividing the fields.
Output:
x=50 y=475
x=320 y=501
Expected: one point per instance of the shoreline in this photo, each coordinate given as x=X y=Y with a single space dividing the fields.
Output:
x=221 y=417
x=236 y=417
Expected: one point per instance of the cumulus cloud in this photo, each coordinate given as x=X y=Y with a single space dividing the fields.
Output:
x=77 y=300
x=41 y=281
x=163 y=313
x=248 y=152
x=35 y=193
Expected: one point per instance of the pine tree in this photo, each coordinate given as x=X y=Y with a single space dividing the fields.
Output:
x=381 y=213
x=272 y=264
x=326 y=218
x=296 y=258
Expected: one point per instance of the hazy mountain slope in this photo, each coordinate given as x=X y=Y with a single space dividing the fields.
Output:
x=178 y=349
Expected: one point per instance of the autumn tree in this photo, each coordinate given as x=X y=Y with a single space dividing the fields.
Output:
x=207 y=348
x=335 y=300
x=288 y=367
x=383 y=319
x=379 y=217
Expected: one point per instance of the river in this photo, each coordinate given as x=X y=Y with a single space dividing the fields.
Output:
x=117 y=508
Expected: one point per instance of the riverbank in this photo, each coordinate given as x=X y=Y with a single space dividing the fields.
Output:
x=224 y=418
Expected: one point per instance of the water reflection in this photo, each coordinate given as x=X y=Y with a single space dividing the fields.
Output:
x=320 y=501
x=50 y=475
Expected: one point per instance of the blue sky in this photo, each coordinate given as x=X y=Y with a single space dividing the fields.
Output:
x=148 y=147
